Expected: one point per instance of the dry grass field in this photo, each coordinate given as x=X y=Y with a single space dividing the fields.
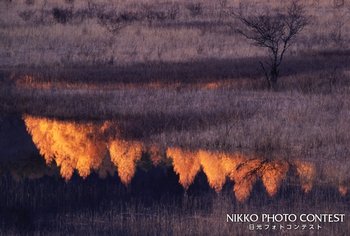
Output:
x=66 y=33
x=83 y=81
x=94 y=206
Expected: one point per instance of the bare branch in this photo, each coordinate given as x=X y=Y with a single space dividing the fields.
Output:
x=274 y=32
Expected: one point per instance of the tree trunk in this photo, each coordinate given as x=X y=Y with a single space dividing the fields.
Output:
x=274 y=77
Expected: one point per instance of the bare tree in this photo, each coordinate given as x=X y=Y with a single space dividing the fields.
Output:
x=275 y=32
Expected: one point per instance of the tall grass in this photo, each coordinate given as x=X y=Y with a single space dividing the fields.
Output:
x=91 y=206
x=175 y=75
x=79 y=33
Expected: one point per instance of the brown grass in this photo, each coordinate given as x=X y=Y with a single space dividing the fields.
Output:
x=168 y=32
x=94 y=206
x=187 y=82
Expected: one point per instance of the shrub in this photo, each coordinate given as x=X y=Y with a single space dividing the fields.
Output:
x=26 y=15
x=62 y=15
x=195 y=9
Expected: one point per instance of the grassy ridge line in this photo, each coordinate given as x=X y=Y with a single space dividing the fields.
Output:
x=276 y=124
x=311 y=72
